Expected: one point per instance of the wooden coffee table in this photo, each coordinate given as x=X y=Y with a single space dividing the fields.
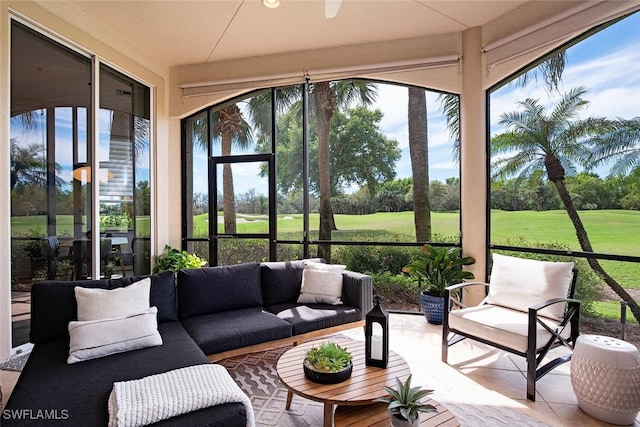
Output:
x=362 y=388
x=376 y=415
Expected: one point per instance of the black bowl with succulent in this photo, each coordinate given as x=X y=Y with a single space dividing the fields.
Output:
x=327 y=363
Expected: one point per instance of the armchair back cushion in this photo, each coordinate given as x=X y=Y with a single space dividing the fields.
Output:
x=210 y=290
x=519 y=283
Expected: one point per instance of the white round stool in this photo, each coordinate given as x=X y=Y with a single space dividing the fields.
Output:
x=605 y=376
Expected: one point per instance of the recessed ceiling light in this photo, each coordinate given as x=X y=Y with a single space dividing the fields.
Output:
x=271 y=4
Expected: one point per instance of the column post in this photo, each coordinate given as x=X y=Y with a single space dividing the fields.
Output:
x=473 y=160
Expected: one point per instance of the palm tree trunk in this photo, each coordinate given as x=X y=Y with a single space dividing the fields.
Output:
x=326 y=101
x=228 y=195
x=418 y=150
x=585 y=244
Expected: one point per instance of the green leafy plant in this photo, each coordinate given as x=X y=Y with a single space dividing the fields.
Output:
x=328 y=357
x=404 y=401
x=33 y=248
x=174 y=259
x=439 y=267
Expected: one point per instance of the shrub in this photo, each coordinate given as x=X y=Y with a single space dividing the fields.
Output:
x=375 y=259
x=395 y=290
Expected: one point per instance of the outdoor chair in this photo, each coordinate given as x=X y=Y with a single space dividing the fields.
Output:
x=82 y=255
x=51 y=249
x=529 y=310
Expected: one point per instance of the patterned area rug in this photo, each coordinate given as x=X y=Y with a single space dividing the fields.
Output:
x=256 y=375
x=16 y=363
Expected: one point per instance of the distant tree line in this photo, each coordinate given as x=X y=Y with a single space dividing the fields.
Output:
x=587 y=190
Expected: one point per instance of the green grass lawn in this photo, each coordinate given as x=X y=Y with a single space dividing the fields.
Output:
x=610 y=231
x=353 y=227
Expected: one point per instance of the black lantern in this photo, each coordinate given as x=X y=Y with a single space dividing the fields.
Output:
x=376 y=332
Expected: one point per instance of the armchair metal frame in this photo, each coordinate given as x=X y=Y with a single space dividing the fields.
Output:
x=535 y=352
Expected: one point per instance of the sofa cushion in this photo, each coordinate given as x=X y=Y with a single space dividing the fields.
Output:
x=280 y=281
x=321 y=284
x=82 y=389
x=162 y=294
x=211 y=290
x=95 y=304
x=53 y=306
x=519 y=283
x=218 y=332
x=312 y=317
x=98 y=338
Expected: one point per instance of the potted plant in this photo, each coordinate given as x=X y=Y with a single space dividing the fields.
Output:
x=174 y=259
x=405 y=403
x=437 y=267
x=327 y=363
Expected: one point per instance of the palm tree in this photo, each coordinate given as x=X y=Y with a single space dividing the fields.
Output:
x=324 y=99
x=233 y=129
x=419 y=153
x=28 y=165
x=621 y=145
x=555 y=142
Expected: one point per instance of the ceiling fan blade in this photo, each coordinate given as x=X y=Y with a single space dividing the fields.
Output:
x=331 y=8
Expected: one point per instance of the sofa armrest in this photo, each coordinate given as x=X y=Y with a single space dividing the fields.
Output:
x=357 y=291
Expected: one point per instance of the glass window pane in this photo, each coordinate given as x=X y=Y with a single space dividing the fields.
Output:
x=124 y=172
x=575 y=188
x=289 y=168
x=243 y=198
x=527 y=209
x=50 y=95
x=240 y=126
x=197 y=182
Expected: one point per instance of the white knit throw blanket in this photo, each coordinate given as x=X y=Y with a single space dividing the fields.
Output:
x=158 y=397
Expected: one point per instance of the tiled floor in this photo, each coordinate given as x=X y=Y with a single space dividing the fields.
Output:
x=480 y=375
x=476 y=375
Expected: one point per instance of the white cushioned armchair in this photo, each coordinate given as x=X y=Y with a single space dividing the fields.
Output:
x=529 y=309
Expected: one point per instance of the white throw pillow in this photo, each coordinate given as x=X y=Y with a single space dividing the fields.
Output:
x=321 y=284
x=95 y=304
x=98 y=338
x=520 y=283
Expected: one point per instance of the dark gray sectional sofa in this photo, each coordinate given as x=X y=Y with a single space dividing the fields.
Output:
x=217 y=311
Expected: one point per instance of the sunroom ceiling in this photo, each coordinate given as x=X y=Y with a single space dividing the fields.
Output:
x=217 y=49
x=177 y=33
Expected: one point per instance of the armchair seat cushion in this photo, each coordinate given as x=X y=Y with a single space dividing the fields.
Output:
x=501 y=325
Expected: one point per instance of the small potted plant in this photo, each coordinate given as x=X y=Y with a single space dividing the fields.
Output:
x=438 y=267
x=327 y=363
x=405 y=403
x=174 y=259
